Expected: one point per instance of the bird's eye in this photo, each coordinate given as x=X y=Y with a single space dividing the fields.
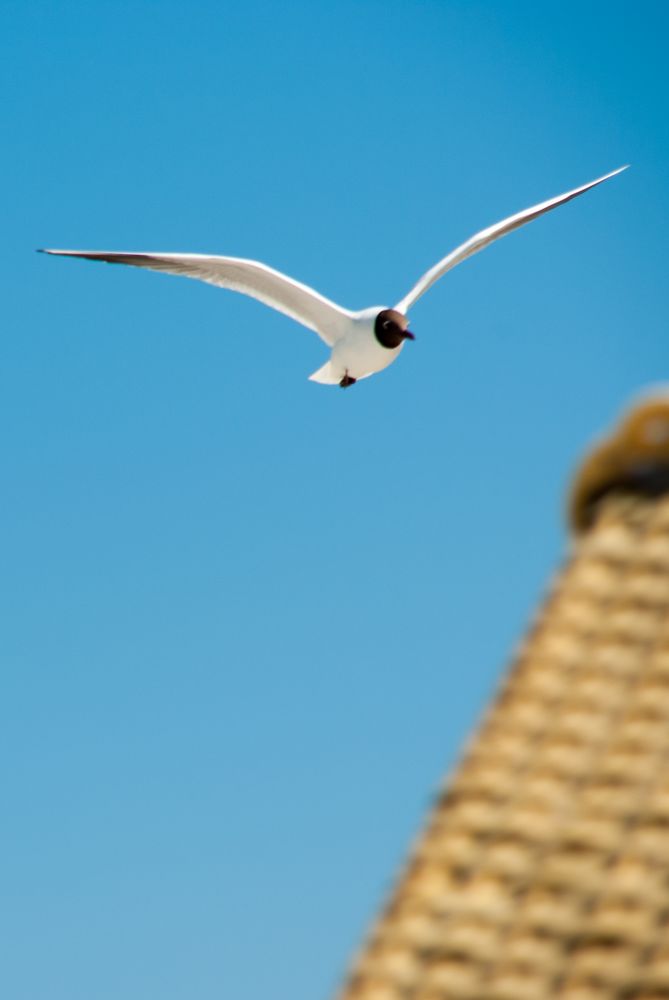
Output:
x=387 y=324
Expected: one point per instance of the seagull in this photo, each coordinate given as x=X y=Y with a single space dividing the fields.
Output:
x=362 y=342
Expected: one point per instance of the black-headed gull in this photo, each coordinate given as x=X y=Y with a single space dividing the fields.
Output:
x=362 y=342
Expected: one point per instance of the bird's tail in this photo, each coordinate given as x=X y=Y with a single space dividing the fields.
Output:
x=326 y=375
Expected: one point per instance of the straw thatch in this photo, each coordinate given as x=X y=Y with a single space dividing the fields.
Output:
x=544 y=868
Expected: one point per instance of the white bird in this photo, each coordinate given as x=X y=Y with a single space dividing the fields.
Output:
x=363 y=342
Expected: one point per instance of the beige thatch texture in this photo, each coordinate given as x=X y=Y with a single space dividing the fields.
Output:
x=544 y=868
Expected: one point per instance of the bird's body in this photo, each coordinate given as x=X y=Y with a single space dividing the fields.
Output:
x=362 y=342
x=358 y=353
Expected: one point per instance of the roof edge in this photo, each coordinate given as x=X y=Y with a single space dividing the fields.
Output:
x=632 y=459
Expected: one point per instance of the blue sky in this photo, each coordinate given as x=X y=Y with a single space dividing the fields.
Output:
x=248 y=621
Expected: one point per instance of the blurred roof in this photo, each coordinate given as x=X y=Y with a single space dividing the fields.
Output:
x=544 y=868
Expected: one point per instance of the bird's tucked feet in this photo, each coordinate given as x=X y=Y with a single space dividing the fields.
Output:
x=347 y=380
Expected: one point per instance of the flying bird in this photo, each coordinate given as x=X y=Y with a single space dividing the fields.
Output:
x=363 y=342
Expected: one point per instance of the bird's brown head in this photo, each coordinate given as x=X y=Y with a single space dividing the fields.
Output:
x=391 y=328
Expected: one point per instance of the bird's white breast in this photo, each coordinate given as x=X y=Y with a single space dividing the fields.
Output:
x=359 y=353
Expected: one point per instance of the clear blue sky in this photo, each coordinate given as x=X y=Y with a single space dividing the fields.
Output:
x=248 y=621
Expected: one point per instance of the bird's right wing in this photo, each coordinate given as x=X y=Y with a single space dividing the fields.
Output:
x=487 y=236
x=250 y=277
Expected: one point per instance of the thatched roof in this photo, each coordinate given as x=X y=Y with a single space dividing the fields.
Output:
x=544 y=868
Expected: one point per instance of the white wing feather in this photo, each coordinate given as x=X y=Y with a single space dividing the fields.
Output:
x=488 y=236
x=249 y=277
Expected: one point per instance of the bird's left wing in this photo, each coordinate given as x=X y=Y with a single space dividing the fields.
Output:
x=249 y=277
x=488 y=236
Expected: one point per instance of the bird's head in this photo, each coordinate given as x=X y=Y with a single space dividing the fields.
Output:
x=391 y=328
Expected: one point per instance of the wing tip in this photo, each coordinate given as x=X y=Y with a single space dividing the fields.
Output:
x=613 y=173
